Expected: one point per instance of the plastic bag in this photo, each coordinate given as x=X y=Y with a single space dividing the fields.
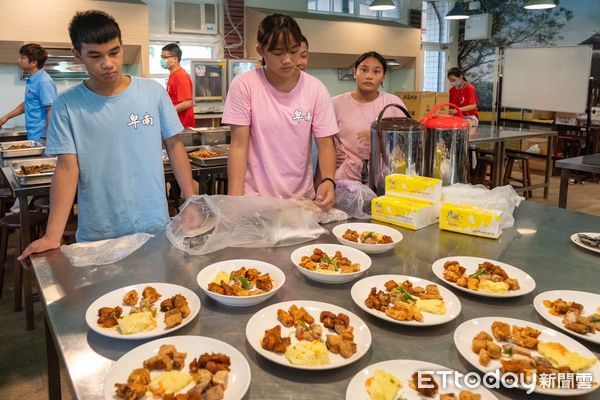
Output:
x=503 y=198
x=354 y=198
x=324 y=217
x=210 y=223
x=104 y=252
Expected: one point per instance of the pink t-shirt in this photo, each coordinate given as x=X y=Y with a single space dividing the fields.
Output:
x=354 y=117
x=281 y=125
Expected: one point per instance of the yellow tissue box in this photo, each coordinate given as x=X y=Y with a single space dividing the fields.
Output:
x=404 y=212
x=418 y=188
x=471 y=220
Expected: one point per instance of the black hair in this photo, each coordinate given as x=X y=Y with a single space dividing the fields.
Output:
x=174 y=49
x=274 y=26
x=34 y=52
x=457 y=72
x=304 y=40
x=93 y=27
x=373 y=54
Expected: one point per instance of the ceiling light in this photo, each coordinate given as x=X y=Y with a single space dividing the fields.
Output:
x=382 y=5
x=540 y=4
x=457 y=12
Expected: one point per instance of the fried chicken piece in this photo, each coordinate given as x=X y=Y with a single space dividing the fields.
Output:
x=386 y=239
x=347 y=269
x=171 y=351
x=264 y=283
x=513 y=284
x=128 y=391
x=462 y=281
x=285 y=318
x=493 y=350
x=221 y=378
x=214 y=393
x=390 y=285
x=212 y=362
x=427 y=380
x=452 y=276
x=150 y=295
x=431 y=292
x=404 y=312
x=140 y=376
x=167 y=304
x=501 y=330
x=181 y=303
x=484 y=357
x=300 y=314
x=108 y=316
x=483 y=335
x=173 y=318
x=477 y=345
x=473 y=283
x=467 y=395
x=273 y=341
x=515 y=365
x=447 y=396
x=202 y=378
x=455 y=267
x=347 y=348
x=130 y=298
x=214 y=287
x=227 y=289
x=350 y=235
x=526 y=337
x=159 y=362
x=308 y=332
x=252 y=274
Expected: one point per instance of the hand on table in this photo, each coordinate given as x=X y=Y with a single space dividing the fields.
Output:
x=325 y=196
x=39 y=246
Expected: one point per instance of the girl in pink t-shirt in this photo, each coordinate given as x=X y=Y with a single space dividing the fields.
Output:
x=356 y=110
x=274 y=112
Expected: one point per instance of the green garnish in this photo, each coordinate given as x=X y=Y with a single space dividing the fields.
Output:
x=405 y=295
x=596 y=320
x=480 y=272
x=369 y=234
x=508 y=352
x=245 y=282
x=401 y=398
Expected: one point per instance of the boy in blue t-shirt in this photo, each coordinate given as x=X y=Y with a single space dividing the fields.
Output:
x=40 y=92
x=107 y=133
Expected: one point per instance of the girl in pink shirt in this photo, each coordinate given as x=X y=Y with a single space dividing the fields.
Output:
x=273 y=112
x=356 y=110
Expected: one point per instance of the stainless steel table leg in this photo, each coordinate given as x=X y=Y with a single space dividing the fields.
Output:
x=548 y=174
x=27 y=275
x=564 y=187
x=53 y=366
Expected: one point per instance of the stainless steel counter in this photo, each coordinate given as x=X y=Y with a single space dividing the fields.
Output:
x=539 y=244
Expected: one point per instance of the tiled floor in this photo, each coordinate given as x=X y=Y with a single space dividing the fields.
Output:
x=23 y=356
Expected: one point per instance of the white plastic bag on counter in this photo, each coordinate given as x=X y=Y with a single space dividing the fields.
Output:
x=104 y=252
x=210 y=223
x=503 y=198
x=324 y=217
x=354 y=198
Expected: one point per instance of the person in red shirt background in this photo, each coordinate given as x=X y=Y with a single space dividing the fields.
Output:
x=462 y=94
x=179 y=85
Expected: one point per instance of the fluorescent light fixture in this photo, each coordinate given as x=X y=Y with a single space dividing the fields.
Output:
x=391 y=62
x=540 y=4
x=382 y=5
x=457 y=12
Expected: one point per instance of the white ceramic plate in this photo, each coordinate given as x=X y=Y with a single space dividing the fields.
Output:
x=206 y=275
x=403 y=370
x=359 y=227
x=194 y=346
x=575 y=239
x=590 y=302
x=354 y=255
x=526 y=282
x=464 y=334
x=267 y=318
x=361 y=289
x=115 y=298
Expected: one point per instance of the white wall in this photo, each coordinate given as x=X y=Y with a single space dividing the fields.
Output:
x=396 y=80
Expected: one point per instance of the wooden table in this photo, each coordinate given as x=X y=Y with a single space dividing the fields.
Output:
x=589 y=163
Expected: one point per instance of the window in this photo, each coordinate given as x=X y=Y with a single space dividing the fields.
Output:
x=358 y=8
x=433 y=70
x=433 y=25
x=188 y=51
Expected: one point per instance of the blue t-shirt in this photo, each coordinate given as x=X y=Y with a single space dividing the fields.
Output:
x=40 y=92
x=118 y=142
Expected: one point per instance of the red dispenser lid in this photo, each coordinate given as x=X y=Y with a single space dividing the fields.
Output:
x=440 y=121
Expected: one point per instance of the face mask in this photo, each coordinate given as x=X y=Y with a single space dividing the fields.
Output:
x=164 y=63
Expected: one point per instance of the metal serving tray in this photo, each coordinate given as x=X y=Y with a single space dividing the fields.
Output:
x=33 y=179
x=210 y=162
x=37 y=149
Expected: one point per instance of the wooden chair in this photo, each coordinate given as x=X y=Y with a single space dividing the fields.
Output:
x=525 y=180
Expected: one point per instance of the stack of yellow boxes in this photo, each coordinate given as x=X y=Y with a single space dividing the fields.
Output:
x=471 y=220
x=410 y=201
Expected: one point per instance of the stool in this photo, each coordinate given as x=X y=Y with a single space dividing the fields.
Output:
x=42 y=204
x=481 y=170
x=525 y=180
x=7 y=224
x=5 y=196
